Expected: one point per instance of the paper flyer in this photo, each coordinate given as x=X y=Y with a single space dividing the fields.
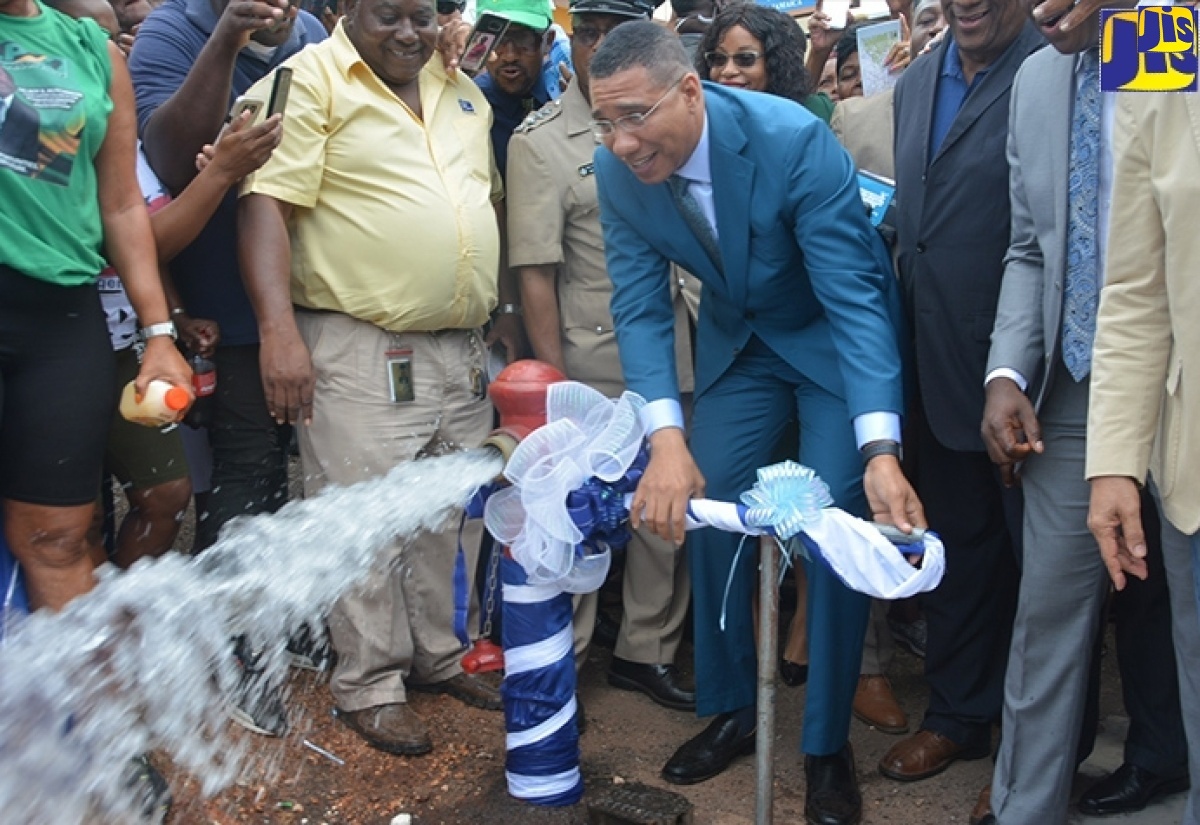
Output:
x=874 y=43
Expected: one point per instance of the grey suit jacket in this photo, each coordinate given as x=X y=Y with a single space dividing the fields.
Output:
x=1039 y=140
x=952 y=222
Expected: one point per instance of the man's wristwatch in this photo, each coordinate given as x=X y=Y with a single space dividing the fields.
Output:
x=156 y=330
x=507 y=309
x=884 y=446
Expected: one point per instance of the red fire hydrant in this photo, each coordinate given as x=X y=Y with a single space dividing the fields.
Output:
x=519 y=394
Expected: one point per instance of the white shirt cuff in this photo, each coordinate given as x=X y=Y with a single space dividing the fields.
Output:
x=876 y=426
x=665 y=412
x=1005 y=372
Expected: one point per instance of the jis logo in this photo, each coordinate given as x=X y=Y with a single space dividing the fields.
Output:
x=1148 y=49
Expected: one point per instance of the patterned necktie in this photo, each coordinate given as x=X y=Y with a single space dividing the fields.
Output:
x=1083 y=276
x=694 y=217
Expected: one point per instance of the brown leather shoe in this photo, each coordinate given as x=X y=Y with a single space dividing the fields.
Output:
x=393 y=728
x=466 y=689
x=983 y=807
x=923 y=755
x=876 y=705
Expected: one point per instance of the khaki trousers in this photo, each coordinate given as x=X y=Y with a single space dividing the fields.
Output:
x=655 y=591
x=399 y=624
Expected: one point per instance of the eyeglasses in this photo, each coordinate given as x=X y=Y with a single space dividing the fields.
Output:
x=589 y=36
x=630 y=123
x=743 y=60
x=523 y=41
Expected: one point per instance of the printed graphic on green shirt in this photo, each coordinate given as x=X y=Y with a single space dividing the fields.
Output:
x=41 y=115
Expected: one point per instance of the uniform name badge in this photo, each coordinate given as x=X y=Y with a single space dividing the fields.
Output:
x=400 y=375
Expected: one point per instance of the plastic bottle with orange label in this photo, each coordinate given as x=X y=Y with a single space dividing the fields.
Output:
x=162 y=404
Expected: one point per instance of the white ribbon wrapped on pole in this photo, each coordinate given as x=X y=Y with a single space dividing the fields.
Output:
x=572 y=482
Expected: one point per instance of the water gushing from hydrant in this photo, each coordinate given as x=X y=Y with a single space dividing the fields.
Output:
x=144 y=662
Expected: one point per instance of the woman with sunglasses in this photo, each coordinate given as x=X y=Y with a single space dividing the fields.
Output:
x=761 y=49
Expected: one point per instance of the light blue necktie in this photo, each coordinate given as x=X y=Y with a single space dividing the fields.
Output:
x=694 y=217
x=1083 y=275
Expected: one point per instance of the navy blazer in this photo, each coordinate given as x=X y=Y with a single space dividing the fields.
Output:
x=952 y=224
x=803 y=268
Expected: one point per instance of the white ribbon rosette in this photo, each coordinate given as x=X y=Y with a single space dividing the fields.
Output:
x=585 y=435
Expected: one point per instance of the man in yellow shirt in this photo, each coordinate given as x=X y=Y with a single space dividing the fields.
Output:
x=371 y=252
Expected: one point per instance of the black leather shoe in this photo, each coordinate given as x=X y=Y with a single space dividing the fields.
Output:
x=710 y=752
x=1129 y=788
x=606 y=632
x=832 y=796
x=659 y=682
x=792 y=674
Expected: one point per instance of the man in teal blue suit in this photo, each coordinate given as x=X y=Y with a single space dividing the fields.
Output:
x=799 y=319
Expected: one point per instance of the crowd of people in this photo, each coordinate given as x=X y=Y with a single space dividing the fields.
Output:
x=669 y=209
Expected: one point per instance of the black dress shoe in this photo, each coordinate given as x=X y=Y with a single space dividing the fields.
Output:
x=792 y=674
x=606 y=631
x=710 y=752
x=659 y=682
x=1129 y=788
x=832 y=796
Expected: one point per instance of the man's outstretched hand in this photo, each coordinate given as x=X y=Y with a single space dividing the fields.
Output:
x=890 y=496
x=670 y=481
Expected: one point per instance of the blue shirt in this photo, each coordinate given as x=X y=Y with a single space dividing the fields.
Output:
x=952 y=91
x=167 y=46
x=560 y=52
x=507 y=113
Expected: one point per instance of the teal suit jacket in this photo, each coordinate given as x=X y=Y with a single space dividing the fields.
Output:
x=803 y=268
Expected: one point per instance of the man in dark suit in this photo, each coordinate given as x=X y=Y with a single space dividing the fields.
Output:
x=19 y=122
x=799 y=318
x=953 y=230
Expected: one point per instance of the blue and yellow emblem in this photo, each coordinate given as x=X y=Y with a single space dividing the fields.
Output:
x=1148 y=49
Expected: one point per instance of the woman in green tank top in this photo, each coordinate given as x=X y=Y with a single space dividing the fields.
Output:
x=69 y=202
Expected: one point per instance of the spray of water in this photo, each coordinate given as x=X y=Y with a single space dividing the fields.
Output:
x=144 y=662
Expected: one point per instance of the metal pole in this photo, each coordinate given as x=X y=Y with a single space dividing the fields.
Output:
x=768 y=653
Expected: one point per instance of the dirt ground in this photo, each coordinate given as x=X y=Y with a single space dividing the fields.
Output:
x=628 y=740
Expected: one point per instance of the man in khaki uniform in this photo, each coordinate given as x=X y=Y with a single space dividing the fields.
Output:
x=556 y=245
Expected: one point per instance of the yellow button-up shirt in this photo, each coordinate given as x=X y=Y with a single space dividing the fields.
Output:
x=393 y=221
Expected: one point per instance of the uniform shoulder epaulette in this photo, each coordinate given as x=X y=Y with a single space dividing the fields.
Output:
x=543 y=115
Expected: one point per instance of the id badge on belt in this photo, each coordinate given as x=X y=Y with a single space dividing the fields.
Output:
x=400 y=375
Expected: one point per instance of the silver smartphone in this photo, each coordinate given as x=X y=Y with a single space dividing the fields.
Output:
x=242 y=105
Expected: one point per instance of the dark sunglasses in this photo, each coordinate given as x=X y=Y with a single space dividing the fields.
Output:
x=743 y=60
x=451 y=6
